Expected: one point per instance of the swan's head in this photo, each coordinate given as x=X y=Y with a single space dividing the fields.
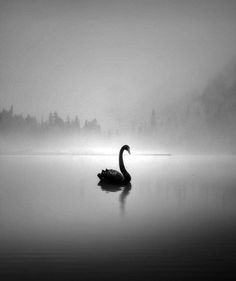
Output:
x=126 y=147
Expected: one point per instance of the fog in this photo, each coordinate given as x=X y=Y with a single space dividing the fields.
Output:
x=88 y=76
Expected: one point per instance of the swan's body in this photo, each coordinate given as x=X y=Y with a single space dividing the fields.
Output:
x=113 y=176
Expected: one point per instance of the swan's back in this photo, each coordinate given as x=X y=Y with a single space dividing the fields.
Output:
x=111 y=176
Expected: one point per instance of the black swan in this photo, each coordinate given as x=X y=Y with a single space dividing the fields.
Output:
x=113 y=176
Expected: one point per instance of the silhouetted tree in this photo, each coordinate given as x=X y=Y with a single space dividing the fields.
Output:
x=50 y=119
x=153 y=120
x=77 y=122
x=58 y=121
x=67 y=121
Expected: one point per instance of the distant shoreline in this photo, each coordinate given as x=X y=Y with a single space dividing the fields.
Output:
x=76 y=154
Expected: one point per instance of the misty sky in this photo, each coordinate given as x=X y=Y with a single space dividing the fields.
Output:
x=110 y=59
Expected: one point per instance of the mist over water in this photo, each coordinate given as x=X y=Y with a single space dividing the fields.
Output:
x=57 y=222
x=117 y=63
x=192 y=123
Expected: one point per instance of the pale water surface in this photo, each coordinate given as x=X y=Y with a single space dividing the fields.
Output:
x=177 y=220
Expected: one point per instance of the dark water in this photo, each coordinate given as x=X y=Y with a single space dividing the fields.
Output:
x=178 y=219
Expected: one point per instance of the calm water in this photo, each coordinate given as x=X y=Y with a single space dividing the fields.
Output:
x=177 y=220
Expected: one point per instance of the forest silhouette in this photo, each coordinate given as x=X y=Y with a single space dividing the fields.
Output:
x=196 y=123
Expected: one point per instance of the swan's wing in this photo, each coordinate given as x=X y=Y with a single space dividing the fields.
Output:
x=111 y=175
x=115 y=174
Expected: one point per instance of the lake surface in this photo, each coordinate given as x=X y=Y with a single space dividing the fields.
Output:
x=177 y=220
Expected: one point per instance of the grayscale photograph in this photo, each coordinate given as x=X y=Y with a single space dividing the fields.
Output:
x=117 y=140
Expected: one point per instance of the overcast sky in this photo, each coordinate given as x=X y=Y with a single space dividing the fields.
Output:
x=110 y=59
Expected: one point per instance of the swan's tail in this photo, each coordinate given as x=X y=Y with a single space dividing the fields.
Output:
x=102 y=174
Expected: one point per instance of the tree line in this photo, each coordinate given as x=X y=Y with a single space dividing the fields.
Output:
x=10 y=122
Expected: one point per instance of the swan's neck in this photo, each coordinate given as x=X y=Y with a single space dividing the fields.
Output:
x=122 y=167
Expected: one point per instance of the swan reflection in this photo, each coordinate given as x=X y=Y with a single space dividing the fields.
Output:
x=125 y=192
x=124 y=188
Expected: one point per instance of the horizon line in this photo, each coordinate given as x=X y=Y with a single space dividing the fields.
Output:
x=77 y=154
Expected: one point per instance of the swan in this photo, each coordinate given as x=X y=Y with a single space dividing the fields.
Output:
x=113 y=176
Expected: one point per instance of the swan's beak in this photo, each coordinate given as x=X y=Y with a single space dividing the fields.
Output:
x=128 y=150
